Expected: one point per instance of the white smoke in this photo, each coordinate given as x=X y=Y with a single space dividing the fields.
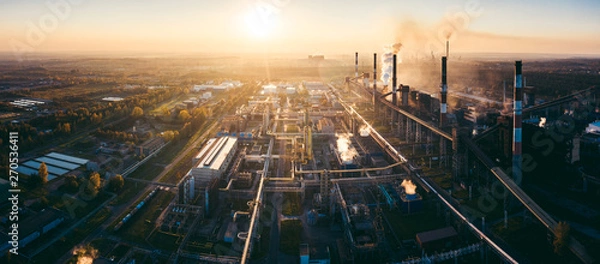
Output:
x=409 y=187
x=85 y=254
x=387 y=63
x=542 y=122
x=346 y=151
x=364 y=131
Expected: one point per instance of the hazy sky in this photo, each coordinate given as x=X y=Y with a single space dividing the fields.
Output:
x=301 y=26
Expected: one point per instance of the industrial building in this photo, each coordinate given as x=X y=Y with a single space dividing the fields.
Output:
x=149 y=146
x=33 y=227
x=437 y=239
x=56 y=163
x=214 y=158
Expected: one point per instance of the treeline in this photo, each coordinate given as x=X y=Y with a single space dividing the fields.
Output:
x=64 y=122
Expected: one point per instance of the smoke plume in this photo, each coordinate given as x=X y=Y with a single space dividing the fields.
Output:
x=364 y=131
x=85 y=254
x=387 y=61
x=345 y=150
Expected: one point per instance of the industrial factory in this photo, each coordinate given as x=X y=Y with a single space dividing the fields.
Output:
x=374 y=170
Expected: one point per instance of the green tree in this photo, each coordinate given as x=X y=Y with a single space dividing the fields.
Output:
x=93 y=185
x=561 y=239
x=71 y=184
x=168 y=135
x=67 y=128
x=137 y=112
x=184 y=115
x=43 y=173
x=116 y=183
x=96 y=118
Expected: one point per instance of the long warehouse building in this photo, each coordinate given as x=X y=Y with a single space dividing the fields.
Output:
x=214 y=158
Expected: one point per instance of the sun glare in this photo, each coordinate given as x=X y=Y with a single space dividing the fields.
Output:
x=259 y=25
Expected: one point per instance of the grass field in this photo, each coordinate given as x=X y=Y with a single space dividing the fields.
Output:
x=164 y=241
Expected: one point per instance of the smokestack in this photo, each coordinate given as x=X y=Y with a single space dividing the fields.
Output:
x=356 y=64
x=374 y=78
x=517 y=124
x=405 y=92
x=447 y=48
x=394 y=88
x=443 y=94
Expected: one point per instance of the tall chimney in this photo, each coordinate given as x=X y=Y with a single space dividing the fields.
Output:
x=443 y=94
x=394 y=88
x=405 y=92
x=517 y=124
x=447 y=48
x=374 y=78
x=356 y=64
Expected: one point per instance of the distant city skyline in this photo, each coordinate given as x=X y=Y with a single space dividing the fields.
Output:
x=293 y=26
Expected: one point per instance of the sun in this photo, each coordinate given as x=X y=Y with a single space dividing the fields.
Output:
x=259 y=25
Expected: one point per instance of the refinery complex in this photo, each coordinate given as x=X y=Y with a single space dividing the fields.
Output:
x=356 y=158
x=371 y=170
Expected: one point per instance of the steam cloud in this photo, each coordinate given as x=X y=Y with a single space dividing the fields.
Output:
x=347 y=152
x=364 y=131
x=409 y=187
x=85 y=254
x=387 y=61
x=542 y=122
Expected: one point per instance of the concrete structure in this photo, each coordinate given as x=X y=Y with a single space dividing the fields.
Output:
x=149 y=146
x=325 y=125
x=374 y=82
x=394 y=83
x=213 y=87
x=314 y=254
x=517 y=123
x=34 y=227
x=269 y=89
x=112 y=99
x=56 y=163
x=443 y=94
x=214 y=158
x=436 y=239
x=27 y=103
x=356 y=64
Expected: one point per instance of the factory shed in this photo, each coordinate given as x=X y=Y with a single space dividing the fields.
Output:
x=436 y=239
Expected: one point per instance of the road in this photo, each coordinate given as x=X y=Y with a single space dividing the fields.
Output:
x=119 y=210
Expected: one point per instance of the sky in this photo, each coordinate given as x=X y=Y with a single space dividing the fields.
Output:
x=300 y=26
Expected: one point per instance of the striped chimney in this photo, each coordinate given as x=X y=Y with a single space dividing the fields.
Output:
x=517 y=123
x=443 y=94
x=394 y=88
x=374 y=77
